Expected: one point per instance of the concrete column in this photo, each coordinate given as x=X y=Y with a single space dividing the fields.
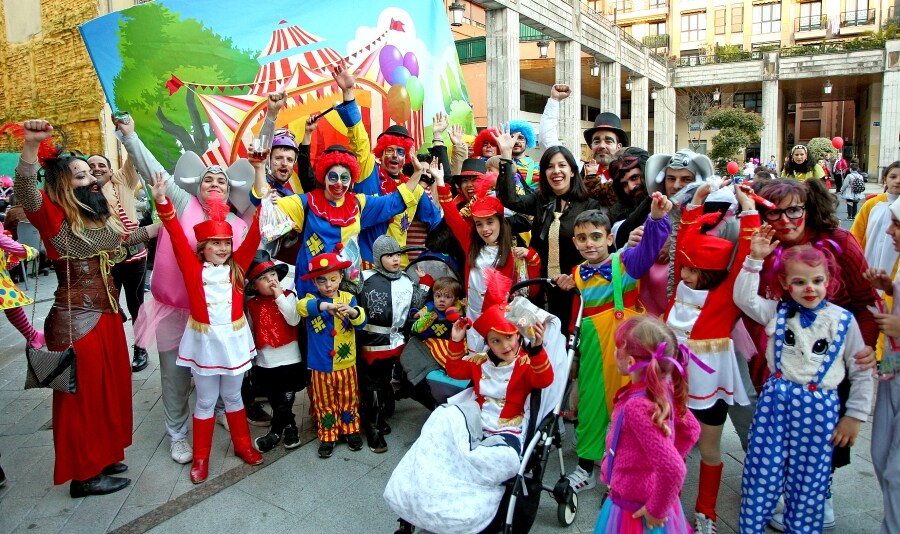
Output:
x=640 y=111
x=502 y=28
x=771 y=133
x=889 y=144
x=568 y=71
x=664 y=121
x=610 y=88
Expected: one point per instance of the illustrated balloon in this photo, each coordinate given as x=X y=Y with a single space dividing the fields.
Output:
x=416 y=93
x=398 y=104
x=838 y=142
x=400 y=75
x=389 y=59
x=732 y=167
x=411 y=63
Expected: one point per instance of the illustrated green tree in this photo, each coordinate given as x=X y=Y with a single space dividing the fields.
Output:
x=155 y=43
x=738 y=129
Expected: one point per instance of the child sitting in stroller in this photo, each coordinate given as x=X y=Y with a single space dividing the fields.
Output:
x=474 y=446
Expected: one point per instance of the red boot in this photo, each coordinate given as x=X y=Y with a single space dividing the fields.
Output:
x=203 y=434
x=240 y=436
x=708 y=493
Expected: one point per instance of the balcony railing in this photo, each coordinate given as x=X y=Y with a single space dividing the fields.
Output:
x=806 y=24
x=656 y=41
x=713 y=59
x=527 y=33
x=472 y=50
x=833 y=47
x=862 y=17
x=597 y=17
x=627 y=37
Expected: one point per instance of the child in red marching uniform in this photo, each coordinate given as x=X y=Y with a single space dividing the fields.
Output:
x=217 y=344
x=651 y=433
x=332 y=316
x=279 y=371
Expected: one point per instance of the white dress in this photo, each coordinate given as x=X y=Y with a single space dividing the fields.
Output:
x=477 y=287
x=704 y=389
x=223 y=347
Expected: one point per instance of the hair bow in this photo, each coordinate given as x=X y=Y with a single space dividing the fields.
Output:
x=821 y=245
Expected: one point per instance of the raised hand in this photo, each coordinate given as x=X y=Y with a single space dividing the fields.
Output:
x=344 y=78
x=761 y=242
x=36 y=130
x=124 y=124
x=591 y=167
x=437 y=171
x=538 y=333
x=879 y=279
x=312 y=122
x=439 y=123
x=275 y=103
x=505 y=141
x=660 y=206
x=458 y=333
x=158 y=187
x=560 y=92
x=744 y=194
x=456 y=135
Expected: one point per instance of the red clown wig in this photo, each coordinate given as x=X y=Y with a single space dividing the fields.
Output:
x=385 y=140
x=486 y=136
x=336 y=155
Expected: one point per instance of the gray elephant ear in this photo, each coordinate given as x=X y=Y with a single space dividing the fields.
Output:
x=240 y=179
x=188 y=171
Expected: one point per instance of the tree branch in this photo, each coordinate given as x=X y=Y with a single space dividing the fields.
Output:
x=176 y=131
x=200 y=138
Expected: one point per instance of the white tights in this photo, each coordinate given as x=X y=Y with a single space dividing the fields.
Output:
x=210 y=388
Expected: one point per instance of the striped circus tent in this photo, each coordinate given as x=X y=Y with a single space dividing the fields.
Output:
x=284 y=53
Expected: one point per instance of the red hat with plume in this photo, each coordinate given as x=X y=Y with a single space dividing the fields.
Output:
x=493 y=309
x=703 y=251
x=217 y=226
x=484 y=204
x=485 y=136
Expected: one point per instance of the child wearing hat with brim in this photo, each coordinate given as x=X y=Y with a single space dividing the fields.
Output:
x=279 y=370
x=332 y=316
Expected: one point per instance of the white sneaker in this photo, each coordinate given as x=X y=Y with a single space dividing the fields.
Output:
x=777 y=521
x=703 y=524
x=828 y=522
x=581 y=480
x=181 y=451
x=222 y=420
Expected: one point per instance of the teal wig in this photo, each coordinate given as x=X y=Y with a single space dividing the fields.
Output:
x=525 y=128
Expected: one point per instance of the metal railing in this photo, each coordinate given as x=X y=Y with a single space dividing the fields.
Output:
x=862 y=17
x=472 y=50
x=527 y=34
x=714 y=59
x=656 y=41
x=628 y=38
x=597 y=17
x=833 y=47
x=806 y=24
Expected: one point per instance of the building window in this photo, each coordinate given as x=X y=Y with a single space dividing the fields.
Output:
x=737 y=18
x=657 y=28
x=811 y=17
x=532 y=102
x=693 y=27
x=698 y=146
x=749 y=101
x=766 y=19
x=654 y=4
x=720 y=21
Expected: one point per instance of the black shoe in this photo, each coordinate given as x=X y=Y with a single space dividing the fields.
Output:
x=355 y=441
x=114 y=469
x=140 y=360
x=257 y=415
x=326 y=449
x=268 y=442
x=375 y=440
x=405 y=528
x=99 y=485
x=2 y=477
x=384 y=427
x=291 y=437
x=45 y=271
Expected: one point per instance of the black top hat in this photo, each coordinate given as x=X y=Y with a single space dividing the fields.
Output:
x=607 y=121
x=339 y=148
x=261 y=264
x=471 y=167
x=395 y=129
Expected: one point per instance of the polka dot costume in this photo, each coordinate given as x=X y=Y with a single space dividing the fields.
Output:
x=10 y=295
x=789 y=449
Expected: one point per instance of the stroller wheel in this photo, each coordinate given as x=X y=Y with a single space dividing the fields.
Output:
x=565 y=511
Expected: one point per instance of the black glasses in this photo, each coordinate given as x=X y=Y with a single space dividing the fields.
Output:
x=791 y=212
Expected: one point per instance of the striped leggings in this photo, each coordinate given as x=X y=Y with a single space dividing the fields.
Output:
x=335 y=403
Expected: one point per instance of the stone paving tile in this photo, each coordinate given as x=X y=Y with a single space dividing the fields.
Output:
x=43 y=525
x=13 y=510
x=227 y=512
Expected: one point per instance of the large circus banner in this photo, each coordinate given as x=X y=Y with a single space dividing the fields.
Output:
x=195 y=74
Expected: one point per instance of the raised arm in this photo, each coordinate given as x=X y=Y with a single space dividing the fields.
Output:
x=506 y=187
x=460 y=149
x=25 y=185
x=147 y=164
x=548 y=129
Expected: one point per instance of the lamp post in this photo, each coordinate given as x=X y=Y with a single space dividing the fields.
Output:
x=828 y=87
x=595 y=68
x=543 y=48
x=457 y=9
x=717 y=95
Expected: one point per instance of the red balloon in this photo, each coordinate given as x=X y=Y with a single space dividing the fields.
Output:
x=452 y=314
x=733 y=167
x=837 y=142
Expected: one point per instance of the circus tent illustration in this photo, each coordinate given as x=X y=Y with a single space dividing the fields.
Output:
x=295 y=60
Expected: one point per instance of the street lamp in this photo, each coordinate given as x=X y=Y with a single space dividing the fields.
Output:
x=595 y=68
x=628 y=84
x=828 y=87
x=653 y=94
x=543 y=48
x=457 y=10
x=717 y=95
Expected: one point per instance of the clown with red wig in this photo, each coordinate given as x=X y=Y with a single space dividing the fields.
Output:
x=381 y=172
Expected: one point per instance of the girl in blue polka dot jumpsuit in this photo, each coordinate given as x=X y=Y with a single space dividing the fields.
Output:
x=811 y=347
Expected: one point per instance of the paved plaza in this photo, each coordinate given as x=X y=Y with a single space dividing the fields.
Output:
x=290 y=492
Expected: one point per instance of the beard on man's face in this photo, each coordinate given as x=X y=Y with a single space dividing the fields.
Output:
x=94 y=203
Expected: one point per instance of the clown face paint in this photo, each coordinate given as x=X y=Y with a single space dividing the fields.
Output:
x=807 y=284
x=337 y=182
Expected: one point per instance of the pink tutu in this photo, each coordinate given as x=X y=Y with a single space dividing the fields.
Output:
x=616 y=519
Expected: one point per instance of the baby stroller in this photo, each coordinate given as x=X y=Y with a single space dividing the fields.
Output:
x=420 y=370
x=514 y=503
